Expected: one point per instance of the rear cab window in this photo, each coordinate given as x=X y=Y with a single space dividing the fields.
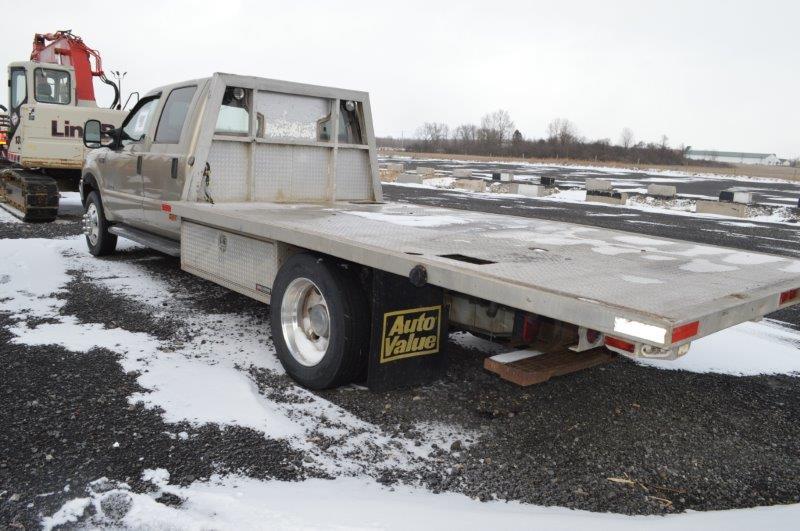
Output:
x=234 y=114
x=173 y=117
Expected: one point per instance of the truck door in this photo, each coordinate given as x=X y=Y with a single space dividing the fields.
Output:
x=163 y=168
x=122 y=167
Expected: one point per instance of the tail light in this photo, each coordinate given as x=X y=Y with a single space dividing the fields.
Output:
x=620 y=344
x=679 y=333
x=789 y=296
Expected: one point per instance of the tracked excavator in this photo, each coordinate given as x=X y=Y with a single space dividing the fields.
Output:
x=50 y=97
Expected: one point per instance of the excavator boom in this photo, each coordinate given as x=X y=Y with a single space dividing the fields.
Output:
x=65 y=48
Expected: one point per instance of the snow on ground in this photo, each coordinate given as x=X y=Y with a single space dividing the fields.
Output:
x=765 y=347
x=659 y=175
x=72 y=199
x=205 y=380
x=682 y=206
x=235 y=502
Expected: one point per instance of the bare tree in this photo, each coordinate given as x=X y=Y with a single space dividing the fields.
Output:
x=626 y=138
x=466 y=133
x=562 y=131
x=498 y=125
x=434 y=134
x=664 y=142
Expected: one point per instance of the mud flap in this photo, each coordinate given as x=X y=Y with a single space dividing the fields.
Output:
x=409 y=333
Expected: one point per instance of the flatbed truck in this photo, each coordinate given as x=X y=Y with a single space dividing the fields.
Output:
x=271 y=188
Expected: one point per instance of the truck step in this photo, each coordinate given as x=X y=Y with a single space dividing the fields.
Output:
x=529 y=367
x=153 y=241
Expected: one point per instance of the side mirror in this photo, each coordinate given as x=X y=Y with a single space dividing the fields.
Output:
x=92 y=134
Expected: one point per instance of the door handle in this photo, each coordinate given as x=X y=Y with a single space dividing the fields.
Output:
x=139 y=165
x=174 y=169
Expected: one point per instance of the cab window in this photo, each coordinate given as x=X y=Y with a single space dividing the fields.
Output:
x=19 y=87
x=52 y=86
x=170 y=125
x=136 y=125
x=349 y=125
x=234 y=114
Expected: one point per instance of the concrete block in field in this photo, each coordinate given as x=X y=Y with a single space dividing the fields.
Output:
x=614 y=198
x=530 y=190
x=721 y=208
x=534 y=190
x=426 y=171
x=664 y=191
x=462 y=172
x=502 y=176
x=409 y=178
x=387 y=176
x=472 y=185
x=598 y=185
x=736 y=196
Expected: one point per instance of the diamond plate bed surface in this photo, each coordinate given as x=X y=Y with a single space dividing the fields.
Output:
x=666 y=279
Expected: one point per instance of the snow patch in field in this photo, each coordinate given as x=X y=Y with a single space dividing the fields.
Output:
x=640 y=280
x=236 y=502
x=68 y=513
x=202 y=393
x=82 y=337
x=701 y=265
x=33 y=269
x=411 y=220
x=70 y=199
x=746 y=349
x=204 y=380
x=6 y=217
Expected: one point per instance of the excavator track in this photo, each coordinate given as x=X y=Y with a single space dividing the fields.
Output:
x=29 y=196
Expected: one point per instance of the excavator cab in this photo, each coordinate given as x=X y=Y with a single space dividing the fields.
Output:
x=51 y=96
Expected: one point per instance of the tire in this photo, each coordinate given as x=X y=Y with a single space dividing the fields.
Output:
x=98 y=239
x=309 y=291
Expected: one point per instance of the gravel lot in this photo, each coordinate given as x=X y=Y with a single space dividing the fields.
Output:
x=670 y=440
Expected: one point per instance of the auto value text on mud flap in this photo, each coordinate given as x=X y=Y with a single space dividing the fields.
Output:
x=412 y=332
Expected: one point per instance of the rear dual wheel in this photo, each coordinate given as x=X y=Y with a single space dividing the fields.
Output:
x=320 y=321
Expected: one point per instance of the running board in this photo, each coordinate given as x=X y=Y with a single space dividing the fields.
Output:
x=529 y=367
x=158 y=243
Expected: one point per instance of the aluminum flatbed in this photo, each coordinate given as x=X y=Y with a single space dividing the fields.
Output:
x=636 y=287
x=272 y=189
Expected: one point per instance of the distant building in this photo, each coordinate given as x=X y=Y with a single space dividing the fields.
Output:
x=733 y=157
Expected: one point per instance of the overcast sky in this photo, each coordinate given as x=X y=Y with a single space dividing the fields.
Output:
x=710 y=74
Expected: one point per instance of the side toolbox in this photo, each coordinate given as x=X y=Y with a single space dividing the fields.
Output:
x=240 y=263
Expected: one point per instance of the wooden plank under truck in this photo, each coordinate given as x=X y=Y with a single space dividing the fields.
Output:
x=271 y=189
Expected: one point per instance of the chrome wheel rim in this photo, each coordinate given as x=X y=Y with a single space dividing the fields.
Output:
x=305 y=322
x=93 y=231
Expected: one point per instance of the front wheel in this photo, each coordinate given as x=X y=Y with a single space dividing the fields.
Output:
x=320 y=321
x=95 y=226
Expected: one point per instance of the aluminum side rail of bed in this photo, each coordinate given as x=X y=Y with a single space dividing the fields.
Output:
x=651 y=291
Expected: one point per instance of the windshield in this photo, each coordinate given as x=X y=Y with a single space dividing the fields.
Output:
x=52 y=86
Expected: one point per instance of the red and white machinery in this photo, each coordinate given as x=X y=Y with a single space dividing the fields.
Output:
x=50 y=98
